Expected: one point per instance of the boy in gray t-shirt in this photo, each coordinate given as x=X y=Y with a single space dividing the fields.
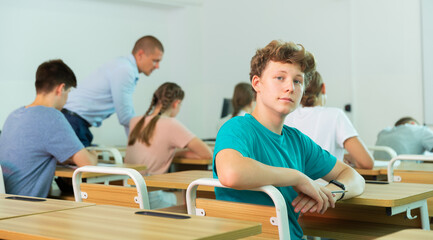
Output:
x=36 y=136
x=406 y=137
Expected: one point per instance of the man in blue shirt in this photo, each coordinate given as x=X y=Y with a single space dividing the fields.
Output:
x=257 y=149
x=37 y=136
x=109 y=89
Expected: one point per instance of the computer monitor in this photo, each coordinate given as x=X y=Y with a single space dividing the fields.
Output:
x=227 y=107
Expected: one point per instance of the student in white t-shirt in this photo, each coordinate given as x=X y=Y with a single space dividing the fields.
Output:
x=243 y=102
x=154 y=137
x=329 y=127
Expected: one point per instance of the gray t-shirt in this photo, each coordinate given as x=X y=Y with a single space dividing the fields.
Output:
x=405 y=139
x=32 y=141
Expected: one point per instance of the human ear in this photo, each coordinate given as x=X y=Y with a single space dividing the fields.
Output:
x=255 y=81
x=60 y=89
x=175 y=104
x=323 y=88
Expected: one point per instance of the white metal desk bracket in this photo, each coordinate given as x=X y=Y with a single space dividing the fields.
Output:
x=422 y=205
x=425 y=222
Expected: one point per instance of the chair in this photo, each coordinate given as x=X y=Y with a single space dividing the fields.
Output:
x=109 y=194
x=417 y=158
x=272 y=226
x=118 y=159
x=385 y=149
x=2 y=184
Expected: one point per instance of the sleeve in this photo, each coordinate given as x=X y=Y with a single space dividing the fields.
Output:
x=60 y=139
x=122 y=84
x=180 y=135
x=427 y=139
x=318 y=162
x=232 y=136
x=345 y=129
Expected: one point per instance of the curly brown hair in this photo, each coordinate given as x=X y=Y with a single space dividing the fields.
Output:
x=285 y=52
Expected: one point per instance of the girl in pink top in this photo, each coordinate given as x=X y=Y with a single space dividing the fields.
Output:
x=154 y=137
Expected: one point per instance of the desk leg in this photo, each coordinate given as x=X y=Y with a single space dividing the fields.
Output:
x=425 y=222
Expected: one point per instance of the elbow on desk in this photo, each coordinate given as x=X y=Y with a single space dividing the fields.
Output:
x=368 y=165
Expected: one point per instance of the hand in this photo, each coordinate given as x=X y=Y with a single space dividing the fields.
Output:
x=312 y=196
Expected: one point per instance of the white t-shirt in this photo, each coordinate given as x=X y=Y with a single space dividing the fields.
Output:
x=329 y=127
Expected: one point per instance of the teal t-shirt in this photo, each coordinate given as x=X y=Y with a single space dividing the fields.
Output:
x=292 y=149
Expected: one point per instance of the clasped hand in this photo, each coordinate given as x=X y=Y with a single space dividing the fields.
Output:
x=312 y=197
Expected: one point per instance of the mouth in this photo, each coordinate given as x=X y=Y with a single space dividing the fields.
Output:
x=286 y=100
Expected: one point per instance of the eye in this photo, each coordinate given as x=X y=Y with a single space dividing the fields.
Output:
x=280 y=78
x=297 y=81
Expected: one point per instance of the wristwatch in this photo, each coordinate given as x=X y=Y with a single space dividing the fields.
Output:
x=340 y=185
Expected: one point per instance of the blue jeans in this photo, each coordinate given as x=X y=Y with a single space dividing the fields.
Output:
x=80 y=126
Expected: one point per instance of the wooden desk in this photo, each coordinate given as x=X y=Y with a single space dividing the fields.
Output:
x=67 y=172
x=177 y=180
x=203 y=161
x=408 y=234
x=372 y=174
x=185 y=164
x=113 y=222
x=10 y=208
x=380 y=210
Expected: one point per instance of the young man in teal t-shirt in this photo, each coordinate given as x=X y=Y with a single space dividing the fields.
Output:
x=258 y=150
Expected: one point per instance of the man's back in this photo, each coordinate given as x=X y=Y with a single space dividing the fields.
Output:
x=32 y=141
x=405 y=139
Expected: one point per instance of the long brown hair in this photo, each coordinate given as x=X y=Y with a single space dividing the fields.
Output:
x=166 y=94
x=313 y=90
x=242 y=96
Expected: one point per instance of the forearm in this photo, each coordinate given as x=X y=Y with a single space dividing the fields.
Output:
x=353 y=182
x=359 y=155
x=240 y=172
x=186 y=153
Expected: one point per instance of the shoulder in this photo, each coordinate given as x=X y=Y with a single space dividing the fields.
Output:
x=238 y=121
x=44 y=112
x=169 y=122
x=332 y=111
x=291 y=132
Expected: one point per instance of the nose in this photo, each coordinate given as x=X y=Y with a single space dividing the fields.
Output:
x=157 y=65
x=290 y=86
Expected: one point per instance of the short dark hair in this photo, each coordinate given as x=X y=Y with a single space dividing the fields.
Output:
x=405 y=120
x=147 y=44
x=53 y=73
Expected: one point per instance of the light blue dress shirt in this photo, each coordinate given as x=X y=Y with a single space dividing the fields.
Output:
x=106 y=91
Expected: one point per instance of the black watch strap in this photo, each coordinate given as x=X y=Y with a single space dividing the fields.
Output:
x=340 y=185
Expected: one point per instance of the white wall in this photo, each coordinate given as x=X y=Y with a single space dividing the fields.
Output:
x=386 y=64
x=85 y=34
x=235 y=29
x=368 y=52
